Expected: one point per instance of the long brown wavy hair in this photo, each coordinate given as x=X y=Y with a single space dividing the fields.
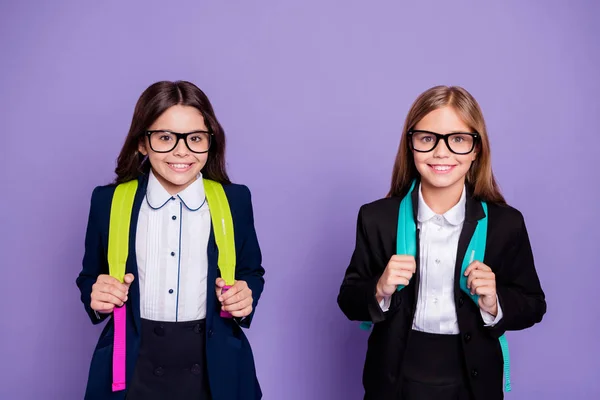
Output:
x=155 y=100
x=480 y=177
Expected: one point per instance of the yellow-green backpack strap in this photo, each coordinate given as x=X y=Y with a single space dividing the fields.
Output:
x=118 y=249
x=220 y=214
x=118 y=232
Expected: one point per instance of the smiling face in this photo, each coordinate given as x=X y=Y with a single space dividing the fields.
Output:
x=440 y=168
x=180 y=167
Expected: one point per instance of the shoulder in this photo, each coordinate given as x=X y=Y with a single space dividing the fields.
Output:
x=506 y=218
x=239 y=199
x=237 y=191
x=382 y=211
x=381 y=207
x=102 y=195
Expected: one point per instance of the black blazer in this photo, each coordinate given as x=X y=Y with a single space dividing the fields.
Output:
x=507 y=252
x=230 y=361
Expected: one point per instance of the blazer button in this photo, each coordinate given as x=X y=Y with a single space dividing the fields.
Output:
x=196 y=370
x=461 y=301
x=467 y=337
x=210 y=333
x=474 y=373
x=159 y=371
x=160 y=330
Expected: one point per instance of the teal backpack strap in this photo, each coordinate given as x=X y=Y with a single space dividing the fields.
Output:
x=476 y=251
x=406 y=238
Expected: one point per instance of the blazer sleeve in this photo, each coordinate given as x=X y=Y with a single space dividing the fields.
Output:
x=357 y=298
x=518 y=286
x=94 y=260
x=249 y=259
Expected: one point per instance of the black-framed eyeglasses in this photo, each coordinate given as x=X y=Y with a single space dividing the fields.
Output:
x=457 y=143
x=162 y=141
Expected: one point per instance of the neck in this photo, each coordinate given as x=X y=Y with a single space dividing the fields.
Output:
x=171 y=188
x=440 y=200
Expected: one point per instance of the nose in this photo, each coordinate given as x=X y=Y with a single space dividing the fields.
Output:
x=181 y=149
x=441 y=150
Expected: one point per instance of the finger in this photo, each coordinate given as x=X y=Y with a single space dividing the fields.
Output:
x=241 y=284
x=128 y=279
x=102 y=307
x=486 y=291
x=471 y=267
x=242 y=313
x=108 y=280
x=403 y=273
x=487 y=276
x=117 y=291
x=238 y=297
x=475 y=274
x=107 y=298
x=105 y=284
x=232 y=291
x=397 y=280
x=402 y=258
x=402 y=265
x=238 y=306
x=479 y=283
x=237 y=287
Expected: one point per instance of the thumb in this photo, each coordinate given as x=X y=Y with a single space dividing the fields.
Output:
x=127 y=279
x=220 y=282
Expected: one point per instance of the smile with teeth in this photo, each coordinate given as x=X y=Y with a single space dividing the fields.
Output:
x=179 y=166
x=442 y=168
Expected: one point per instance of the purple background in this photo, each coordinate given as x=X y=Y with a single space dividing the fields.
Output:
x=312 y=96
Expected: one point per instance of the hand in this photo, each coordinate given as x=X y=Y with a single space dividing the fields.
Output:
x=237 y=300
x=398 y=271
x=108 y=292
x=482 y=281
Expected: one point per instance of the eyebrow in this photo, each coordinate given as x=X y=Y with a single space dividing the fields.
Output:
x=449 y=133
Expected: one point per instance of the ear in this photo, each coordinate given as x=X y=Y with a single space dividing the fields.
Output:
x=475 y=153
x=142 y=148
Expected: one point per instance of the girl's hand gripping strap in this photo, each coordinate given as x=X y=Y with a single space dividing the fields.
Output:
x=222 y=221
x=476 y=251
x=118 y=249
x=406 y=237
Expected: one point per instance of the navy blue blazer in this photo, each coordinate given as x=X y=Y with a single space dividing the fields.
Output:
x=230 y=362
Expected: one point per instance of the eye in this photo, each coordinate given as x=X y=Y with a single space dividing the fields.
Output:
x=164 y=136
x=425 y=137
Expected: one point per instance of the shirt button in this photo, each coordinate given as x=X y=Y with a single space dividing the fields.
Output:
x=171 y=291
x=196 y=369
x=437 y=261
x=173 y=253
x=173 y=217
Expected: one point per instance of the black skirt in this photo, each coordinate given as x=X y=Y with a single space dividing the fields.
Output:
x=171 y=363
x=433 y=368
